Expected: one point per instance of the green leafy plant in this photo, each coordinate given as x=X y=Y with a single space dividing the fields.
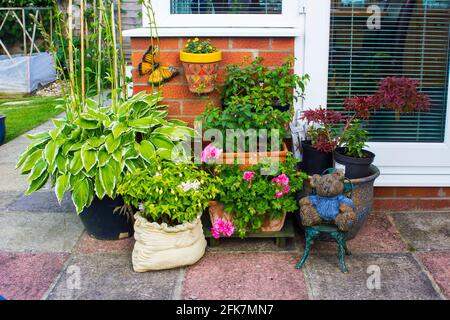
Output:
x=197 y=46
x=168 y=192
x=354 y=139
x=245 y=116
x=261 y=85
x=251 y=197
x=88 y=153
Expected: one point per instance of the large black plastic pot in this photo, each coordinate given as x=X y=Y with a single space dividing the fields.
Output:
x=314 y=161
x=355 y=168
x=102 y=223
x=2 y=128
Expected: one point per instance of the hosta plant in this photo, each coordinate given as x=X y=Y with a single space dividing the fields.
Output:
x=88 y=153
x=171 y=193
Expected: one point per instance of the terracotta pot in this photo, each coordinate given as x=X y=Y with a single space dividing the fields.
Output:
x=273 y=225
x=216 y=211
x=247 y=159
x=201 y=70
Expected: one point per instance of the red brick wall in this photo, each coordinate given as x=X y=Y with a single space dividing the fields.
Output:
x=185 y=105
x=411 y=198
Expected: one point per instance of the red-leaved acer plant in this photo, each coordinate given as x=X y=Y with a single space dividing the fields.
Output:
x=327 y=128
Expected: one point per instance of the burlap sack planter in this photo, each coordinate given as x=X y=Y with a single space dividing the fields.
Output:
x=159 y=246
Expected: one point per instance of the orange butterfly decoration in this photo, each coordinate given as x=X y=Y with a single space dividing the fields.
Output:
x=150 y=64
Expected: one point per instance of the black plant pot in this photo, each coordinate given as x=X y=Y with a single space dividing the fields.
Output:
x=103 y=224
x=2 y=129
x=355 y=168
x=314 y=161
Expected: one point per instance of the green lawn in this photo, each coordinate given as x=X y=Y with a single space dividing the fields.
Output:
x=24 y=114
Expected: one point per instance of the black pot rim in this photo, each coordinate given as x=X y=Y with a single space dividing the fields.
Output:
x=308 y=145
x=374 y=173
x=338 y=155
x=2 y=116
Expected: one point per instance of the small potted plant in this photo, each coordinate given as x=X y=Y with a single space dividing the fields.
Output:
x=200 y=63
x=277 y=87
x=258 y=198
x=342 y=133
x=396 y=94
x=242 y=123
x=171 y=199
x=320 y=139
x=2 y=129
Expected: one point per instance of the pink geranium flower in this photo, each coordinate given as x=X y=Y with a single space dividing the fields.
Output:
x=279 y=194
x=282 y=182
x=222 y=226
x=282 y=179
x=248 y=175
x=211 y=153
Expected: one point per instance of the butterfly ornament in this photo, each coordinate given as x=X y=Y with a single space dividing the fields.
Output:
x=158 y=73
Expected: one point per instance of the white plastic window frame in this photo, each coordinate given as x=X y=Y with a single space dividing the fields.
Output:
x=287 y=19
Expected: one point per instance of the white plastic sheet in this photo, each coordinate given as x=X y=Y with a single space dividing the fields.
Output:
x=24 y=74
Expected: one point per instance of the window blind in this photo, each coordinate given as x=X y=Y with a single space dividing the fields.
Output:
x=226 y=7
x=412 y=41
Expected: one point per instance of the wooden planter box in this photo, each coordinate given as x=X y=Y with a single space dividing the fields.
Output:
x=247 y=159
x=216 y=211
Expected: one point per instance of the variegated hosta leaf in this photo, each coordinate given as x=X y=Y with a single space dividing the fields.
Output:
x=38 y=170
x=89 y=158
x=37 y=184
x=76 y=164
x=99 y=190
x=51 y=151
x=107 y=179
x=146 y=150
x=81 y=194
x=62 y=182
x=31 y=161
x=112 y=143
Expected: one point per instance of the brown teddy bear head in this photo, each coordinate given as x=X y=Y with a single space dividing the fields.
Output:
x=329 y=185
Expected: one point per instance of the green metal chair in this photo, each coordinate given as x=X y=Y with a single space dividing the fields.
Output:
x=330 y=231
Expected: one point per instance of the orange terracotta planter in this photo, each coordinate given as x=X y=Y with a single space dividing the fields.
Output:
x=201 y=70
x=248 y=159
x=216 y=211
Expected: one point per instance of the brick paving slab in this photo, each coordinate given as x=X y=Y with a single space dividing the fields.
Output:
x=378 y=235
x=226 y=276
x=41 y=232
x=6 y=198
x=424 y=230
x=438 y=264
x=88 y=244
x=27 y=276
x=251 y=245
x=43 y=201
x=110 y=276
x=401 y=278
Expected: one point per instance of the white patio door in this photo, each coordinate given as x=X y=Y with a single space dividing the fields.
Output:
x=347 y=53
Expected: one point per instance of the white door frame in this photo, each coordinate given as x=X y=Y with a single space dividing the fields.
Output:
x=401 y=164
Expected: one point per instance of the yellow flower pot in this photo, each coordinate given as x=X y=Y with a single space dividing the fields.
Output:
x=201 y=70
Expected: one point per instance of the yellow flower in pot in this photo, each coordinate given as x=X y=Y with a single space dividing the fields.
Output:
x=201 y=64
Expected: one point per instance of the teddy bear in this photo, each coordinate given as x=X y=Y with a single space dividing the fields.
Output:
x=329 y=205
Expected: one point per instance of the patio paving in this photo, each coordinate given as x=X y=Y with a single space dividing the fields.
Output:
x=44 y=254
